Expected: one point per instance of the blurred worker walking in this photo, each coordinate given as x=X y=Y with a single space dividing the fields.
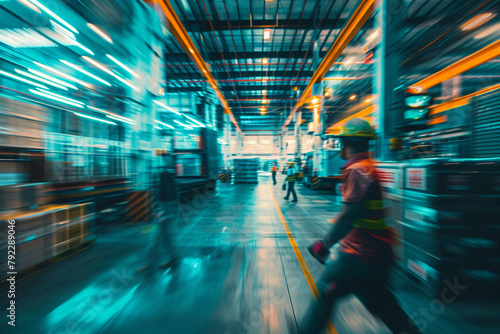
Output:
x=290 y=179
x=274 y=169
x=161 y=251
x=361 y=260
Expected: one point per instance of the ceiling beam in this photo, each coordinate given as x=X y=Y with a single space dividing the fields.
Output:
x=216 y=56
x=463 y=65
x=352 y=27
x=177 y=29
x=221 y=25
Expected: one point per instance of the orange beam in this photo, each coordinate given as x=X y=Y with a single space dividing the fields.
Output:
x=177 y=29
x=461 y=66
x=460 y=101
x=438 y=120
x=357 y=20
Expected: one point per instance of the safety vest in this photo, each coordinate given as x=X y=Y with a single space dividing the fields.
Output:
x=372 y=216
x=291 y=177
x=274 y=169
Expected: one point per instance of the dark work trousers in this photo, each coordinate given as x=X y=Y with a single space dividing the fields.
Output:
x=162 y=246
x=274 y=177
x=346 y=273
x=291 y=186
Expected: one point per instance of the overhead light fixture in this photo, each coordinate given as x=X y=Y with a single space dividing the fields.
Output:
x=96 y=64
x=476 y=21
x=182 y=124
x=265 y=61
x=125 y=67
x=48 y=11
x=195 y=121
x=373 y=35
x=368 y=100
x=48 y=77
x=265 y=101
x=352 y=97
x=101 y=33
x=488 y=31
x=264 y=92
x=105 y=69
x=191 y=50
x=94 y=118
x=349 y=61
x=164 y=124
x=157 y=127
x=296 y=88
x=263 y=108
x=267 y=34
x=167 y=107
x=98 y=109
x=24 y=38
x=13 y=76
x=67 y=34
x=58 y=98
x=84 y=48
x=29 y=75
x=221 y=141
x=61 y=74
x=85 y=72
x=315 y=100
x=121 y=119
x=31 y=6
x=263 y=112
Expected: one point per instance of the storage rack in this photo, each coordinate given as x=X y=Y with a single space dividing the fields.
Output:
x=245 y=170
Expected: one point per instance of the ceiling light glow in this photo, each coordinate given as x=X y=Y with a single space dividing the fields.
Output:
x=13 y=76
x=100 y=32
x=85 y=72
x=125 y=67
x=476 y=21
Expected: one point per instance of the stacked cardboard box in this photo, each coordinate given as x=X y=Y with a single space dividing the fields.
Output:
x=245 y=170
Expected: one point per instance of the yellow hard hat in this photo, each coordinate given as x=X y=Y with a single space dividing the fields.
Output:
x=357 y=127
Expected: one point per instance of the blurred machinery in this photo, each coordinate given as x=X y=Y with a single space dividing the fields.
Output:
x=327 y=174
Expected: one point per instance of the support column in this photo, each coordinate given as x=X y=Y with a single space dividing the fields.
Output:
x=317 y=90
x=298 y=121
x=227 y=138
x=239 y=143
x=281 y=143
x=386 y=77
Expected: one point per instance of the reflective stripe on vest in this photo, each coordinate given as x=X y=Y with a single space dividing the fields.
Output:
x=372 y=217
x=290 y=178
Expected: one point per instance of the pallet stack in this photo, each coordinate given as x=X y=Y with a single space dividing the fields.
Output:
x=245 y=170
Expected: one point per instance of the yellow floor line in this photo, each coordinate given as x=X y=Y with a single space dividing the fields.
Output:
x=300 y=258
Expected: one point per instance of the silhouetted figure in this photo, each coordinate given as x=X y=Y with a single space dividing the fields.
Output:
x=162 y=251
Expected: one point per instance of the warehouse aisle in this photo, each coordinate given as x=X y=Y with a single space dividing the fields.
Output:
x=240 y=274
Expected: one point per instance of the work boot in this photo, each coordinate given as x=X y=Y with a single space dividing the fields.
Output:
x=319 y=251
x=294 y=200
x=285 y=198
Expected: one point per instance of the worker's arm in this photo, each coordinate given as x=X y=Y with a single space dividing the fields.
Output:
x=354 y=191
x=344 y=221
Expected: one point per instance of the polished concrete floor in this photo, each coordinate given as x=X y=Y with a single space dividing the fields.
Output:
x=240 y=273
